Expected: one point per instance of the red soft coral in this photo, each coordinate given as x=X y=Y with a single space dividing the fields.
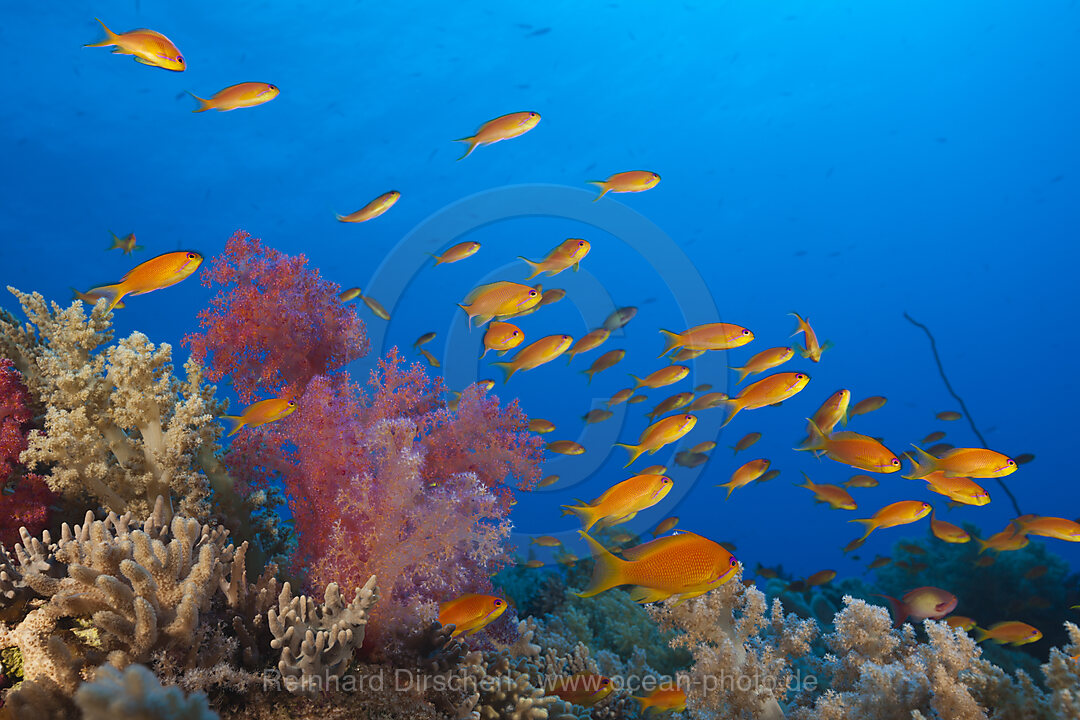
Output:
x=274 y=324
x=28 y=500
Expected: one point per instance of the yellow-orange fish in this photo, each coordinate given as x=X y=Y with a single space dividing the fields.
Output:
x=861 y=481
x=565 y=447
x=91 y=298
x=771 y=475
x=373 y=209
x=690 y=459
x=241 y=95
x=502 y=337
x=624 y=182
x=262 y=412
x=745 y=474
x=684 y=566
x=654 y=470
x=431 y=359
x=710 y=336
x=851 y=448
x=746 y=441
x=704 y=447
x=837 y=497
x=380 y=312
x=960 y=622
x=636 y=399
x=425 y=339
x=471 y=613
x=155 y=274
x=605 y=361
x=663 y=699
x=709 y=401
x=668 y=404
x=962 y=462
x=622 y=501
x=550 y=296
x=501 y=128
x=1007 y=540
x=1013 y=632
x=546 y=541
x=958 y=489
x=933 y=437
x=897 y=513
x=947 y=532
x=924 y=603
x=534 y=564
x=458 y=252
x=1052 y=527
x=126 y=243
x=568 y=253
x=536 y=354
x=597 y=415
x=619 y=397
x=867 y=405
x=589 y=341
x=821 y=577
x=539 y=425
x=813 y=349
x=769 y=390
x=585 y=689
x=660 y=433
x=879 y=562
x=662 y=377
x=665 y=525
x=349 y=294
x=498 y=299
x=548 y=481
x=948 y=415
x=148 y=46
x=764 y=360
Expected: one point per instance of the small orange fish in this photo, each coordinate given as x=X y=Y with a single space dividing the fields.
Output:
x=241 y=95
x=568 y=253
x=684 y=565
x=665 y=525
x=851 y=448
x=879 y=561
x=262 y=412
x=498 y=299
x=1014 y=633
x=589 y=341
x=690 y=459
x=933 y=437
x=546 y=541
x=821 y=577
x=534 y=564
x=948 y=532
x=746 y=441
x=154 y=274
x=373 y=209
x=771 y=475
x=710 y=336
x=597 y=415
x=854 y=544
x=660 y=433
x=897 y=513
x=1052 y=527
x=604 y=362
x=767 y=573
x=548 y=481
x=948 y=415
x=431 y=359
x=813 y=349
x=861 y=481
x=620 y=397
x=958 y=489
x=662 y=377
x=349 y=294
x=539 y=425
x=837 y=497
x=636 y=399
x=425 y=339
x=763 y=361
x=619 y=318
x=709 y=401
x=624 y=182
x=668 y=404
x=685 y=355
x=1007 y=540
x=962 y=462
x=704 y=447
x=457 y=252
x=126 y=243
x=867 y=405
x=960 y=622
x=91 y=298
x=924 y=603
x=148 y=46
x=585 y=689
x=770 y=390
x=380 y=312
x=622 y=501
x=501 y=128
x=745 y=474
x=912 y=547
x=663 y=699
x=565 y=447
x=471 y=613
x=654 y=470
x=502 y=337
x=940 y=449
x=550 y=296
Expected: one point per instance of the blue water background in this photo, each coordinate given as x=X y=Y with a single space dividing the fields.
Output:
x=850 y=161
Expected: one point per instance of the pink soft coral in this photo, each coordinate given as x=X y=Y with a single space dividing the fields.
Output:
x=28 y=505
x=274 y=324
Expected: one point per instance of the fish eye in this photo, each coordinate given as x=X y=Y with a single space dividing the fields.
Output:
x=799 y=376
x=515 y=334
x=733 y=562
x=894 y=461
x=498 y=603
x=532 y=293
x=272 y=87
x=292 y=403
x=192 y=256
x=605 y=681
x=745 y=331
x=180 y=58
x=1011 y=462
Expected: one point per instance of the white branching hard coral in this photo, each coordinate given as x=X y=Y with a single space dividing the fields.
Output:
x=135 y=694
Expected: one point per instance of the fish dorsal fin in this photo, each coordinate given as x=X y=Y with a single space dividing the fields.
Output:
x=480 y=290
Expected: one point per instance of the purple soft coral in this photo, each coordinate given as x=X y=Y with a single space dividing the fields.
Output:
x=28 y=505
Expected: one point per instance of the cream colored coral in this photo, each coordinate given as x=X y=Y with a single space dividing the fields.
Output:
x=135 y=694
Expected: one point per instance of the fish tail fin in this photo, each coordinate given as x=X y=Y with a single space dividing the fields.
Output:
x=472 y=145
x=802 y=324
x=484 y=353
x=507 y=368
x=534 y=266
x=809 y=484
x=110 y=37
x=638 y=382
x=735 y=406
x=816 y=439
x=604 y=189
x=438 y=259
x=207 y=105
x=980 y=634
x=899 y=610
x=114 y=293
x=607 y=572
x=871 y=526
x=590 y=372
x=671 y=341
x=730 y=489
x=585 y=513
x=924 y=462
x=116 y=242
x=743 y=372
x=635 y=452
x=235 y=422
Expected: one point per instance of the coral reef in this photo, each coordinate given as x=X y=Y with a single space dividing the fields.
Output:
x=26 y=498
x=136 y=694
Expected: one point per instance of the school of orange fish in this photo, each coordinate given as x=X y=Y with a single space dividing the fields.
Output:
x=681 y=564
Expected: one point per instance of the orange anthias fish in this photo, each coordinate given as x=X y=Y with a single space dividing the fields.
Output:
x=764 y=360
x=373 y=209
x=962 y=462
x=668 y=404
x=91 y=298
x=960 y=622
x=1007 y=540
x=948 y=532
x=813 y=349
x=665 y=525
x=585 y=689
x=148 y=46
x=711 y=336
x=745 y=475
x=861 y=481
x=154 y=274
x=597 y=415
x=262 y=412
x=380 y=312
x=924 y=603
x=565 y=447
x=660 y=433
x=619 y=397
x=879 y=562
x=589 y=341
x=624 y=182
x=690 y=459
x=769 y=476
x=605 y=361
x=934 y=437
x=659 y=378
x=126 y=243
x=536 y=354
x=1052 y=527
x=867 y=405
x=241 y=95
x=663 y=699
x=620 y=502
x=833 y=411
x=837 y=497
x=684 y=565
x=958 y=489
x=851 y=448
x=821 y=577
x=898 y=513
x=770 y=390
x=501 y=128
x=948 y=415
x=709 y=401
x=568 y=253
x=458 y=252
x=546 y=541
x=685 y=355
x=1013 y=632
x=502 y=337
x=471 y=613
x=349 y=294
x=498 y=299
x=746 y=441
x=539 y=425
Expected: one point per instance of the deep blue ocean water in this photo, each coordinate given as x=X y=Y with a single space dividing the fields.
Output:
x=849 y=161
